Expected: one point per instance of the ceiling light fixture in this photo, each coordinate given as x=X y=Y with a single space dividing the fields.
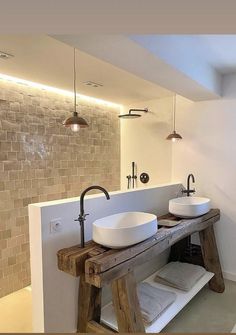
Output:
x=92 y=84
x=5 y=55
x=174 y=136
x=75 y=122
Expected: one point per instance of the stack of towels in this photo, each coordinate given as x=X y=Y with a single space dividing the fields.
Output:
x=154 y=301
x=180 y=275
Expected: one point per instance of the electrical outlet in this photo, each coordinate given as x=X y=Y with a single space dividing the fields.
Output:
x=55 y=226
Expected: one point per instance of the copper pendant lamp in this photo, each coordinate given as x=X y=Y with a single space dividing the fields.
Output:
x=75 y=122
x=174 y=136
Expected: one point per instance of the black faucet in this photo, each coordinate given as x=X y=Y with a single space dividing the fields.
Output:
x=129 y=179
x=82 y=215
x=189 y=191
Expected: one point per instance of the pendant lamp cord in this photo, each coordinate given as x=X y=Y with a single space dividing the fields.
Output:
x=174 y=107
x=74 y=82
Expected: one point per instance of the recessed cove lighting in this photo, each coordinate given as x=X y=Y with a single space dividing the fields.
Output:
x=5 y=55
x=59 y=91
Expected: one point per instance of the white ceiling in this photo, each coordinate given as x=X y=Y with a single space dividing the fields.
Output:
x=190 y=65
x=131 y=68
x=45 y=60
x=166 y=60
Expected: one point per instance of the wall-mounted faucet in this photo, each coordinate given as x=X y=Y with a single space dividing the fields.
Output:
x=133 y=177
x=129 y=180
x=82 y=215
x=188 y=191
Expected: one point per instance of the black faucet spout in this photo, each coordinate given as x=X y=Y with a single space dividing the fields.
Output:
x=190 y=176
x=82 y=215
x=189 y=191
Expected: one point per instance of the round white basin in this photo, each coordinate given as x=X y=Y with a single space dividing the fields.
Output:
x=124 y=229
x=189 y=207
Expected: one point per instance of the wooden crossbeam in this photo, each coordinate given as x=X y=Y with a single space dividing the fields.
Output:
x=72 y=260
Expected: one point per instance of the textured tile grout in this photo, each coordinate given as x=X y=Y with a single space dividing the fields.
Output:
x=40 y=160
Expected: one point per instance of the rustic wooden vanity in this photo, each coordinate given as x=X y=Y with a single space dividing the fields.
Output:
x=98 y=266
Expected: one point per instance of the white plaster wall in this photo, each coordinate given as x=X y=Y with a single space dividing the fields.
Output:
x=208 y=151
x=143 y=140
x=54 y=292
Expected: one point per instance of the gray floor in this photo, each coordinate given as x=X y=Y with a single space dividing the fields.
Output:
x=208 y=312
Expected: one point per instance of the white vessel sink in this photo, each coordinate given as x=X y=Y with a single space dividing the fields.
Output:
x=124 y=229
x=189 y=207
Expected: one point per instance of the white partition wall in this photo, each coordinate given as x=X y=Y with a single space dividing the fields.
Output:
x=55 y=292
x=208 y=151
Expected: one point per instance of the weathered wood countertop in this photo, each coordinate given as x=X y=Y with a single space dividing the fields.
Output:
x=101 y=265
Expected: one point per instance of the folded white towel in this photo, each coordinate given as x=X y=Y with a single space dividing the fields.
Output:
x=180 y=275
x=153 y=301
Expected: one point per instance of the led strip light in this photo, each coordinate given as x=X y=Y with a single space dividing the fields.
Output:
x=59 y=91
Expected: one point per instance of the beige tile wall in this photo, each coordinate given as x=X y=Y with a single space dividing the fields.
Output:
x=40 y=160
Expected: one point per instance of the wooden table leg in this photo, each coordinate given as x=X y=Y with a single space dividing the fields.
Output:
x=177 y=250
x=211 y=259
x=89 y=304
x=126 y=304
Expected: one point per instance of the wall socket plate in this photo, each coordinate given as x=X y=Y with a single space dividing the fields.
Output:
x=55 y=226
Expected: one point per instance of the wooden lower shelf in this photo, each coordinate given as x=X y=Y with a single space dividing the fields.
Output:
x=109 y=319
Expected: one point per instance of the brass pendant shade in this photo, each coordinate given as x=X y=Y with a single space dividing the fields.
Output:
x=75 y=122
x=174 y=136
